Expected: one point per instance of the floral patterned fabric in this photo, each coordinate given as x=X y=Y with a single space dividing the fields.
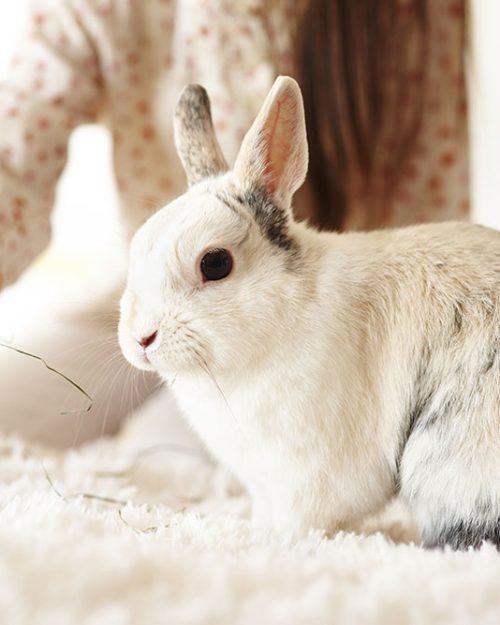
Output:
x=123 y=62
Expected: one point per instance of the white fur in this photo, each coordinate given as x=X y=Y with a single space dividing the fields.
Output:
x=300 y=369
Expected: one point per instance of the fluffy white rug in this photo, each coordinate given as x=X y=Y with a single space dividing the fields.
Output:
x=172 y=546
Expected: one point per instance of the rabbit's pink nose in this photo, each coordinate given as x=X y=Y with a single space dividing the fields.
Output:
x=147 y=340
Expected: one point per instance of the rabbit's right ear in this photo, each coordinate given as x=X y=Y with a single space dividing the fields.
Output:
x=274 y=156
x=194 y=136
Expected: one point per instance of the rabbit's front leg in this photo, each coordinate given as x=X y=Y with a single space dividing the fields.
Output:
x=269 y=509
x=285 y=510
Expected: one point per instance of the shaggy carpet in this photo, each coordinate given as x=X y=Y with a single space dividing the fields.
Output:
x=100 y=536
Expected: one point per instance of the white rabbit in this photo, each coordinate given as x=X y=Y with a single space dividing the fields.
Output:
x=327 y=371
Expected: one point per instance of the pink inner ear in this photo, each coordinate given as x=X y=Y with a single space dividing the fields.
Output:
x=271 y=172
x=279 y=132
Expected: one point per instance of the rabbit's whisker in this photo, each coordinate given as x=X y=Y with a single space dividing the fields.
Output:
x=207 y=369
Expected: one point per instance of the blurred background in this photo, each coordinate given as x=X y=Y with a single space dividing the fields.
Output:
x=86 y=232
x=484 y=97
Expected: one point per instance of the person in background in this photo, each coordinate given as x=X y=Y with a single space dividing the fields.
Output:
x=386 y=112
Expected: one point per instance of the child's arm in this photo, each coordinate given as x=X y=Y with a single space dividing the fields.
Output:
x=52 y=86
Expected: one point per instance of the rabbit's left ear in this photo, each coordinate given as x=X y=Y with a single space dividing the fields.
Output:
x=194 y=136
x=274 y=154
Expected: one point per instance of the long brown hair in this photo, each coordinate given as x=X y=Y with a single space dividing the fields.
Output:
x=361 y=65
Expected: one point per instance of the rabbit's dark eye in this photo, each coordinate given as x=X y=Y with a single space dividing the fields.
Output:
x=216 y=264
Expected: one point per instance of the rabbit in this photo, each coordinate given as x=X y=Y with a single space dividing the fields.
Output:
x=328 y=371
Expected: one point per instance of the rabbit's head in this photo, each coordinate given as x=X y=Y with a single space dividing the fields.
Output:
x=213 y=275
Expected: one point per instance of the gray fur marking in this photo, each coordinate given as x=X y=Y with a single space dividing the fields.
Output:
x=491 y=357
x=226 y=201
x=437 y=418
x=272 y=220
x=195 y=138
x=464 y=534
x=457 y=317
x=419 y=403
